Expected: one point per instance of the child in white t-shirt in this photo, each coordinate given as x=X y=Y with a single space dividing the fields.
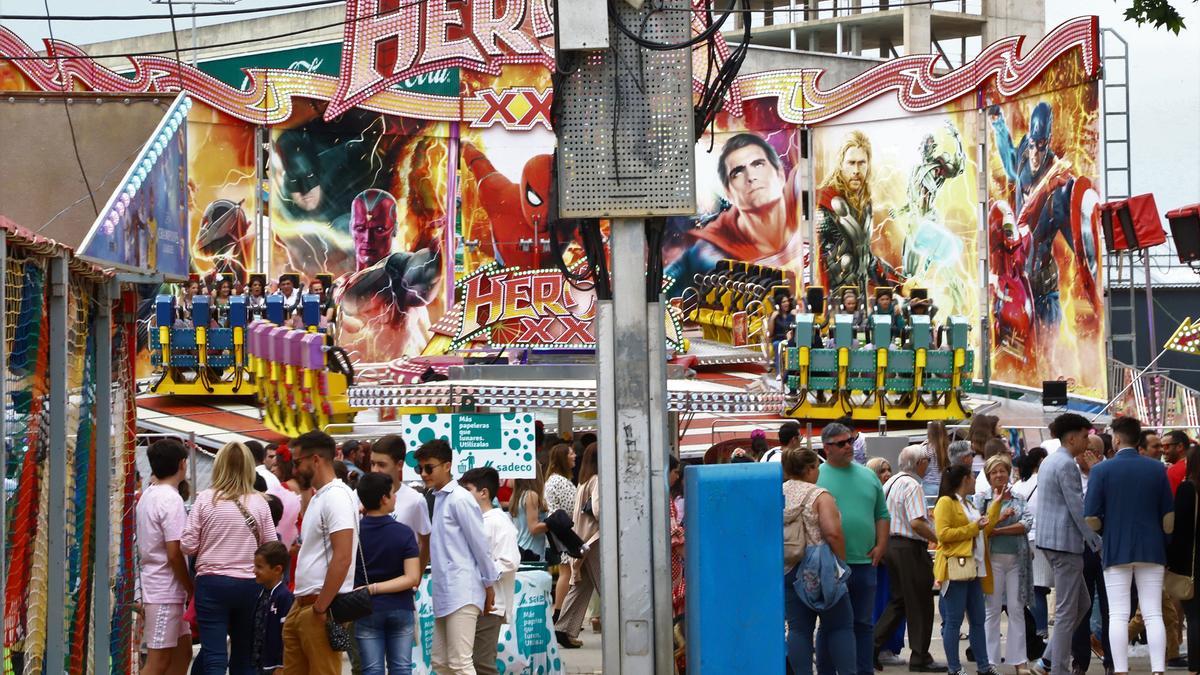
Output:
x=483 y=483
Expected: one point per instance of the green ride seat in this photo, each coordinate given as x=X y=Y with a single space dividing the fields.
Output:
x=823 y=369
x=863 y=365
x=900 y=368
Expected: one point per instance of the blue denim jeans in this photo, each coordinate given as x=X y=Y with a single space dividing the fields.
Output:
x=964 y=598
x=225 y=609
x=861 y=591
x=386 y=637
x=837 y=622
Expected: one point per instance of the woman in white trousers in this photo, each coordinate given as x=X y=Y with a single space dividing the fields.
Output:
x=1012 y=570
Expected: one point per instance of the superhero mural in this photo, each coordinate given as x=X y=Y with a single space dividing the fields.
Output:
x=897 y=207
x=1045 y=290
x=364 y=198
x=221 y=193
x=505 y=182
x=751 y=193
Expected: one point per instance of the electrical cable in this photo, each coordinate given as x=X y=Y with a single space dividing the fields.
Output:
x=70 y=123
x=235 y=43
x=154 y=17
x=175 y=40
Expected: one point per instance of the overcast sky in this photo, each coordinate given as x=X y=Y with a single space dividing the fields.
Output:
x=1165 y=88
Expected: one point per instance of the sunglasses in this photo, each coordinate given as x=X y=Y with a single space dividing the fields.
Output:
x=840 y=444
x=428 y=468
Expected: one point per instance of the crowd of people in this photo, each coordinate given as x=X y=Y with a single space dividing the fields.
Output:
x=222 y=287
x=1105 y=519
x=299 y=552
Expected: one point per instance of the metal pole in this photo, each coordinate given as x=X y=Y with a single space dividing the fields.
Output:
x=1156 y=411
x=606 y=368
x=193 y=35
x=261 y=137
x=660 y=514
x=628 y=538
x=982 y=249
x=4 y=399
x=102 y=583
x=56 y=591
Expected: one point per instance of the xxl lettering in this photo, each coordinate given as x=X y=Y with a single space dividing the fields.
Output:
x=536 y=331
x=576 y=331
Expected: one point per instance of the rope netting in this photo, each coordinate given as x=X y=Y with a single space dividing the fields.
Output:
x=26 y=387
x=121 y=501
x=28 y=509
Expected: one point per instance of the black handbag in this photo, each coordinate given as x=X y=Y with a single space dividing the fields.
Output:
x=356 y=604
x=339 y=637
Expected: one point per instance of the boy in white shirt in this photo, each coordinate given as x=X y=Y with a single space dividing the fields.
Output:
x=483 y=483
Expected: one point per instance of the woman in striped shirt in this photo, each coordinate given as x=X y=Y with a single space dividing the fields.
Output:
x=937 y=444
x=226 y=525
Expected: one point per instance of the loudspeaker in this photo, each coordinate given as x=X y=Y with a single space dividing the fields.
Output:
x=1054 y=393
x=1185 y=228
x=1131 y=224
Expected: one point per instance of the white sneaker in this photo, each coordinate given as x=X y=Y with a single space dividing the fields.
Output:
x=887 y=658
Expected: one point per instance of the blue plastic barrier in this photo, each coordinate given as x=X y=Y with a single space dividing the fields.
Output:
x=734 y=568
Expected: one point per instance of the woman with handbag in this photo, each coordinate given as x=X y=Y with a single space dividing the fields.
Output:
x=559 y=493
x=961 y=565
x=1182 y=558
x=585 y=572
x=227 y=523
x=1009 y=564
x=811 y=519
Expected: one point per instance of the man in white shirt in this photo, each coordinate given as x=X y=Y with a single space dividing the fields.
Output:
x=259 y=451
x=789 y=437
x=328 y=541
x=388 y=455
x=462 y=573
x=483 y=483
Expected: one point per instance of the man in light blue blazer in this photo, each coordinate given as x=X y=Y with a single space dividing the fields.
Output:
x=1062 y=533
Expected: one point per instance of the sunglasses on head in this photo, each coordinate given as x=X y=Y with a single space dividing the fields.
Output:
x=428 y=468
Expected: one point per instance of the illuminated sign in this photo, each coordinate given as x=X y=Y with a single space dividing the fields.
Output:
x=1186 y=338
x=389 y=41
x=521 y=308
x=538 y=309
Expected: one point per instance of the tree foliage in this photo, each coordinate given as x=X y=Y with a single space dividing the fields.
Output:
x=1158 y=13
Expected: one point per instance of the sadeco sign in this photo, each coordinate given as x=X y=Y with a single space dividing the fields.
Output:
x=505 y=442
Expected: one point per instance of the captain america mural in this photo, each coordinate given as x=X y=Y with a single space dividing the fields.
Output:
x=1047 y=312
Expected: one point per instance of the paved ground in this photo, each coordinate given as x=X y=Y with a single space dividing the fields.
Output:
x=587 y=659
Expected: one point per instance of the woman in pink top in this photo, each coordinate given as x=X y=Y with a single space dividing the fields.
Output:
x=226 y=525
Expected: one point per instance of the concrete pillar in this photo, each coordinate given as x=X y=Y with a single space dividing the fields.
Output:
x=917 y=31
x=812 y=42
x=856 y=40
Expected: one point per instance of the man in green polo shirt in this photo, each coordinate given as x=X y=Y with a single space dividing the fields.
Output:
x=860 y=498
